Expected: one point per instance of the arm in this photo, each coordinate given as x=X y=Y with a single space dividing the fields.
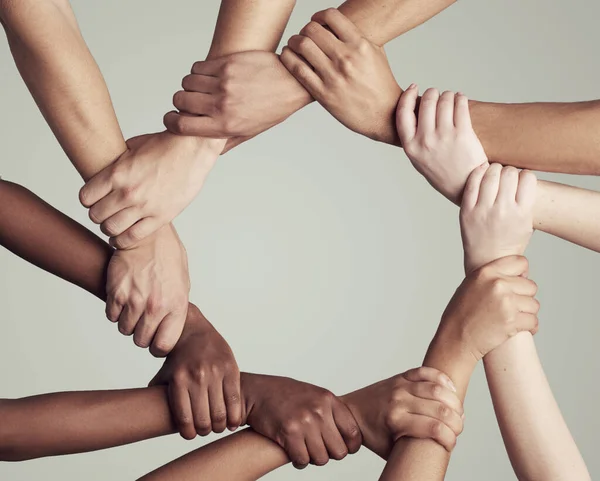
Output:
x=536 y=437
x=239 y=105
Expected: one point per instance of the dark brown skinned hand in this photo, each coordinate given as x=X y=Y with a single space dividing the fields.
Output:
x=203 y=380
x=310 y=423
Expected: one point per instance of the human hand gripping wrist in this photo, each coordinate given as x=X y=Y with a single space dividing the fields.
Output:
x=203 y=380
x=442 y=145
x=348 y=75
x=147 y=290
x=310 y=423
x=496 y=215
x=148 y=185
x=420 y=403
x=235 y=97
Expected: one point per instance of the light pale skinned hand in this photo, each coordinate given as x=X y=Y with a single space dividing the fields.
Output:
x=148 y=185
x=441 y=143
x=147 y=291
x=493 y=303
x=346 y=73
x=239 y=96
x=420 y=403
x=496 y=215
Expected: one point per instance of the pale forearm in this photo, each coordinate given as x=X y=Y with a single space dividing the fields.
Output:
x=570 y=213
x=67 y=423
x=551 y=137
x=64 y=80
x=244 y=456
x=421 y=459
x=382 y=21
x=250 y=25
x=535 y=434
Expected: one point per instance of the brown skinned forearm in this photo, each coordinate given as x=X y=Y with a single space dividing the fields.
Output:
x=382 y=21
x=254 y=25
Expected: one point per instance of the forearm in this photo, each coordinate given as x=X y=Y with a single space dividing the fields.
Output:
x=250 y=25
x=64 y=80
x=382 y=21
x=551 y=137
x=426 y=460
x=243 y=456
x=535 y=434
x=45 y=237
x=570 y=213
x=67 y=423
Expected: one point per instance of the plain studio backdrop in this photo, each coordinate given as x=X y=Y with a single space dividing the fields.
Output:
x=317 y=253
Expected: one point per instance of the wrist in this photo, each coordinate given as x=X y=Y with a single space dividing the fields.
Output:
x=451 y=344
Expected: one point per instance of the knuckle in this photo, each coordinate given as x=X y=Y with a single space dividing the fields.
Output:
x=180 y=125
x=339 y=453
x=435 y=429
x=203 y=426
x=155 y=305
x=291 y=427
x=110 y=227
x=436 y=391
x=346 y=64
x=364 y=46
x=233 y=398
x=162 y=347
x=499 y=287
x=219 y=416
x=444 y=411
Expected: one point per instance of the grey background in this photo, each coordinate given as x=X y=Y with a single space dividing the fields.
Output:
x=318 y=254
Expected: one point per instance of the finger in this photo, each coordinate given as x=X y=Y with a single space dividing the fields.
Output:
x=145 y=330
x=108 y=206
x=334 y=442
x=528 y=305
x=233 y=403
x=511 y=265
x=201 y=409
x=472 y=187
x=316 y=448
x=509 y=181
x=339 y=24
x=406 y=120
x=429 y=374
x=195 y=126
x=445 y=112
x=218 y=410
x=114 y=305
x=462 y=115
x=209 y=67
x=181 y=409
x=437 y=410
x=96 y=188
x=167 y=334
x=527 y=322
x=194 y=103
x=347 y=426
x=200 y=83
x=523 y=286
x=428 y=428
x=326 y=41
x=136 y=233
x=302 y=72
x=120 y=222
x=488 y=189
x=130 y=316
x=427 y=112
x=436 y=392
x=297 y=452
x=526 y=189
x=315 y=57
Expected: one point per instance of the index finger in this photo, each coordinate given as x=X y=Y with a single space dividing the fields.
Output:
x=339 y=24
x=511 y=265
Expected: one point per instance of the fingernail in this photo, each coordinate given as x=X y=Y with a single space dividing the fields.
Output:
x=450 y=384
x=411 y=86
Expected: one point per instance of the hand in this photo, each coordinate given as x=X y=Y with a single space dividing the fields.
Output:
x=308 y=422
x=492 y=304
x=240 y=95
x=345 y=73
x=442 y=145
x=147 y=291
x=149 y=185
x=496 y=215
x=203 y=380
x=421 y=403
